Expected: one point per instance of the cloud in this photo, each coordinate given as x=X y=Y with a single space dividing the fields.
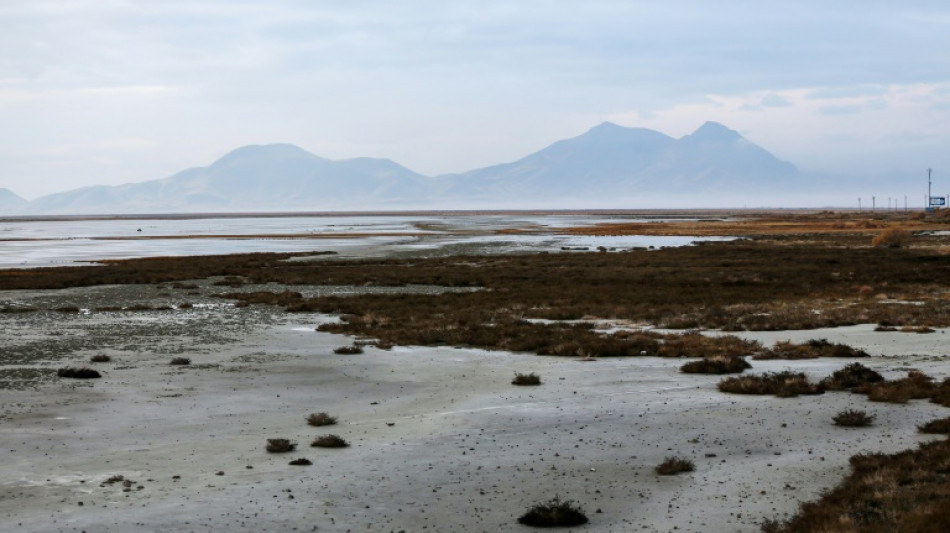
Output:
x=774 y=100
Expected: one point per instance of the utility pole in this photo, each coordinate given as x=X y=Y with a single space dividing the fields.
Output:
x=873 y=203
x=929 y=207
x=859 y=204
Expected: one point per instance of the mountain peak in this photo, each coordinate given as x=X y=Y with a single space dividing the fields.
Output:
x=714 y=131
x=271 y=152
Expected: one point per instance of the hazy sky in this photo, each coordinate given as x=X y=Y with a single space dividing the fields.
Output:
x=117 y=91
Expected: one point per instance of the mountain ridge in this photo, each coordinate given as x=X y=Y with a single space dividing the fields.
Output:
x=607 y=163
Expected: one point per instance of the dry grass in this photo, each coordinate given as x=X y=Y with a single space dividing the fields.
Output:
x=555 y=513
x=782 y=384
x=78 y=373
x=852 y=418
x=940 y=426
x=180 y=361
x=100 y=358
x=303 y=461
x=280 y=445
x=850 y=377
x=674 y=465
x=719 y=364
x=349 y=350
x=811 y=349
x=904 y=492
x=892 y=238
x=321 y=419
x=329 y=441
x=916 y=386
x=526 y=379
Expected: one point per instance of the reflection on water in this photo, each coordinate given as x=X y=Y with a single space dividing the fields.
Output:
x=65 y=242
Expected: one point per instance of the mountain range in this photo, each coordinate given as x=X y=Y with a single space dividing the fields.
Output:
x=608 y=166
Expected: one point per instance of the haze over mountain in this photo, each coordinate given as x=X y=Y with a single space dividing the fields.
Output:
x=9 y=199
x=608 y=166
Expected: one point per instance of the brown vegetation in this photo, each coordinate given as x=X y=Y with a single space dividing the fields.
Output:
x=907 y=491
x=853 y=418
x=811 y=349
x=100 y=358
x=78 y=373
x=940 y=426
x=349 y=350
x=891 y=238
x=329 y=441
x=850 y=377
x=782 y=384
x=674 y=465
x=719 y=364
x=526 y=379
x=180 y=361
x=321 y=419
x=280 y=445
x=554 y=513
x=915 y=386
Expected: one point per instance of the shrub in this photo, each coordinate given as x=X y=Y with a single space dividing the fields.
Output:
x=329 y=441
x=303 y=461
x=78 y=373
x=180 y=361
x=851 y=376
x=100 y=358
x=915 y=386
x=554 y=513
x=891 y=238
x=674 y=465
x=811 y=349
x=852 y=419
x=281 y=445
x=940 y=426
x=716 y=365
x=349 y=350
x=526 y=379
x=782 y=384
x=941 y=395
x=321 y=419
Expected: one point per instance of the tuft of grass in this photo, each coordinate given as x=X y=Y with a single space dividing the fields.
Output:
x=349 y=350
x=526 y=379
x=895 y=237
x=180 y=361
x=329 y=441
x=915 y=386
x=78 y=373
x=100 y=358
x=940 y=426
x=321 y=419
x=554 y=513
x=674 y=465
x=850 y=377
x=280 y=445
x=303 y=461
x=785 y=384
x=811 y=349
x=719 y=364
x=851 y=418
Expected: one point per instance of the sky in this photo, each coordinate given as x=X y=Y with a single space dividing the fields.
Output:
x=118 y=91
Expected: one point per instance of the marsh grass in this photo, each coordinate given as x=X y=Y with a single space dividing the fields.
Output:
x=78 y=373
x=302 y=461
x=811 y=349
x=674 y=465
x=180 y=361
x=321 y=419
x=526 y=379
x=852 y=418
x=329 y=441
x=850 y=377
x=554 y=513
x=100 y=358
x=784 y=384
x=916 y=386
x=730 y=364
x=940 y=426
x=349 y=350
x=280 y=445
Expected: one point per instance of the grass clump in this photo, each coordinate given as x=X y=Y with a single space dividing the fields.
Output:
x=281 y=445
x=940 y=426
x=526 y=379
x=674 y=465
x=729 y=364
x=329 y=441
x=554 y=513
x=811 y=349
x=349 y=350
x=891 y=238
x=785 y=384
x=78 y=373
x=321 y=419
x=100 y=358
x=303 y=461
x=915 y=386
x=851 y=418
x=180 y=361
x=850 y=377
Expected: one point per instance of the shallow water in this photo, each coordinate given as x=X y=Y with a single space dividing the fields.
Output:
x=65 y=242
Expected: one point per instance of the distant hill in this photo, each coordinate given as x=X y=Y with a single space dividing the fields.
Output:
x=615 y=162
x=9 y=199
x=609 y=165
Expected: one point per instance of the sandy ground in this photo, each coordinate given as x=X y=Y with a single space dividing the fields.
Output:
x=440 y=439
